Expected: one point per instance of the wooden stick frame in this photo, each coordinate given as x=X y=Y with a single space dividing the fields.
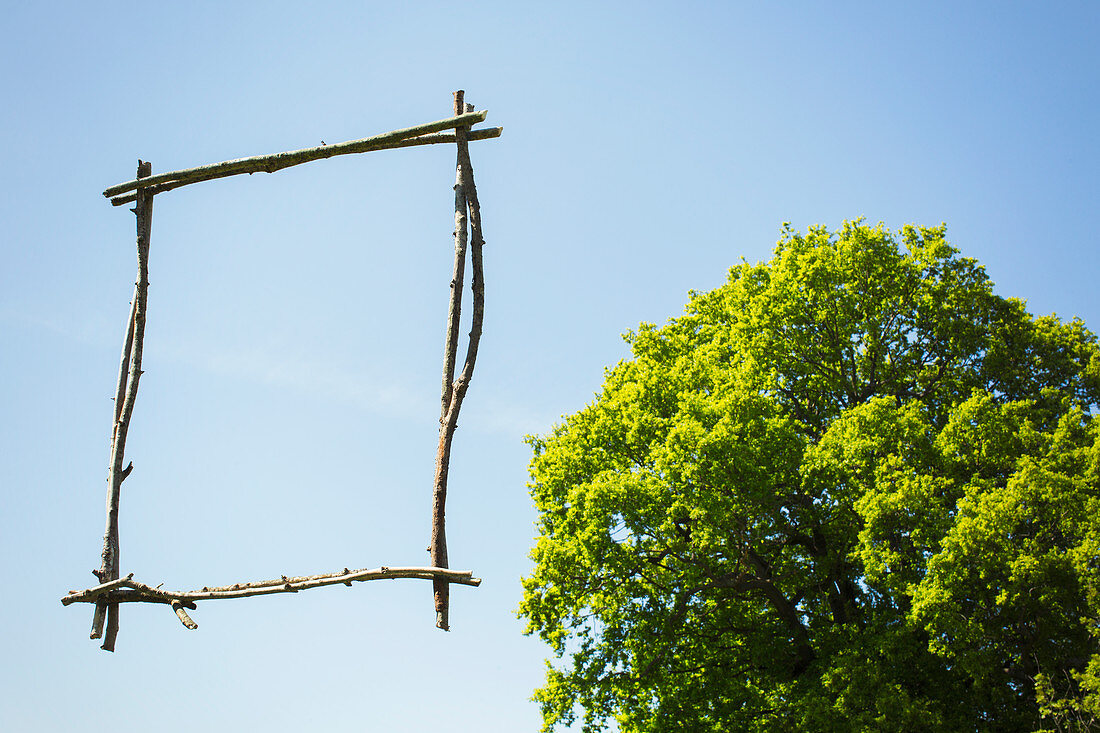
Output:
x=114 y=590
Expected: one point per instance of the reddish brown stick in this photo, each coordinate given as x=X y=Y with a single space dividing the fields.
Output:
x=454 y=391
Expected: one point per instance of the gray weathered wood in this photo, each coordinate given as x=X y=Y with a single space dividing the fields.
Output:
x=434 y=139
x=278 y=161
x=129 y=375
x=128 y=590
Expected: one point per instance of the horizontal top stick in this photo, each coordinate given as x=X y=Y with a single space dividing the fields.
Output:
x=430 y=139
x=277 y=161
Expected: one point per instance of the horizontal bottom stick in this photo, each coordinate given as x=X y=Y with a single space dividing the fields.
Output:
x=127 y=590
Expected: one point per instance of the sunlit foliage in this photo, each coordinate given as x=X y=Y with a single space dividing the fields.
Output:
x=850 y=489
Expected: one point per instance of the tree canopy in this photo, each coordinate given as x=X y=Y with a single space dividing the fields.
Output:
x=850 y=489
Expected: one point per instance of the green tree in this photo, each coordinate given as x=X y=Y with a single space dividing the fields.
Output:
x=850 y=489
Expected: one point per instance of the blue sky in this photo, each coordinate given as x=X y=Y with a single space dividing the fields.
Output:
x=287 y=419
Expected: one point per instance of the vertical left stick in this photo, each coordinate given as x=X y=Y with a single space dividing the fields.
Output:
x=129 y=373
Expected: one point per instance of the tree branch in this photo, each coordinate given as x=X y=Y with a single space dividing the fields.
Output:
x=679 y=611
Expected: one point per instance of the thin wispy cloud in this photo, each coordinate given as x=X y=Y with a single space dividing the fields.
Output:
x=87 y=328
x=376 y=391
x=381 y=392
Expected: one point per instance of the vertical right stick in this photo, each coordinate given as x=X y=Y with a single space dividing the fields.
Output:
x=455 y=390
